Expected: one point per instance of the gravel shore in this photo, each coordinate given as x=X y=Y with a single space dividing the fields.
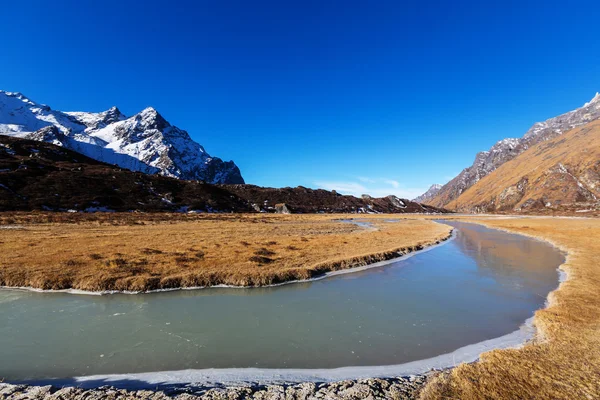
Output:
x=373 y=388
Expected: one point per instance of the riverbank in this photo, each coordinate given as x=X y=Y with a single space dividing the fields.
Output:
x=563 y=362
x=140 y=253
x=392 y=388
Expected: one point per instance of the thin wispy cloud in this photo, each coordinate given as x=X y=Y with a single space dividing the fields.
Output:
x=375 y=187
x=365 y=179
x=392 y=183
x=354 y=188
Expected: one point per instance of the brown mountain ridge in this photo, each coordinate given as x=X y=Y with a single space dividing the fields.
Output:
x=560 y=174
x=507 y=149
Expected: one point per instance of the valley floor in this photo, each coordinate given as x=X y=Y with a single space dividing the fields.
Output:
x=563 y=362
x=141 y=252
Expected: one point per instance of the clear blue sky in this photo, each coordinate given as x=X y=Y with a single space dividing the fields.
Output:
x=381 y=96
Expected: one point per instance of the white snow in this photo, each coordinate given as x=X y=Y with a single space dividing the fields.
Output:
x=144 y=142
x=596 y=99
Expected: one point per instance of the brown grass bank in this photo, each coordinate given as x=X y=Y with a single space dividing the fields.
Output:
x=139 y=252
x=564 y=360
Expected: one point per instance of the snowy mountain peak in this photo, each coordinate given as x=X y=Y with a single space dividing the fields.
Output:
x=149 y=111
x=114 y=113
x=144 y=142
x=595 y=100
x=16 y=95
x=99 y=120
x=150 y=118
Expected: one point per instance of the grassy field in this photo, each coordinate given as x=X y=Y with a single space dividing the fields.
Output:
x=137 y=252
x=147 y=251
x=564 y=361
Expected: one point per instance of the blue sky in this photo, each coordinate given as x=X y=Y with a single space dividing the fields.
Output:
x=379 y=97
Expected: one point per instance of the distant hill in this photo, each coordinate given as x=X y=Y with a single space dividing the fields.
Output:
x=507 y=149
x=429 y=194
x=305 y=200
x=35 y=175
x=144 y=142
x=558 y=174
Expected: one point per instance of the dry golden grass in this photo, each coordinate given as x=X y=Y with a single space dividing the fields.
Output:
x=564 y=361
x=145 y=252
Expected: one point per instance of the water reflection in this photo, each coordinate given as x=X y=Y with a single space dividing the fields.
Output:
x=509 y=259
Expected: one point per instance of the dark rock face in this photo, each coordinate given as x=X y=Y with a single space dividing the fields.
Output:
x=219 y=171
x=49 y=134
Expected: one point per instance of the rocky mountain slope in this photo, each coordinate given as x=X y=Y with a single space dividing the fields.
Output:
x=507 y=149
x=561 y=174
x=429 y=194
x=35 y=175
x=145 y=142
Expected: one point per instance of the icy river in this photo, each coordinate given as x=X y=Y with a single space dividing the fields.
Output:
x=481 y=286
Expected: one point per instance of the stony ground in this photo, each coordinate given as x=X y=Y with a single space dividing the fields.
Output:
x=391 y=388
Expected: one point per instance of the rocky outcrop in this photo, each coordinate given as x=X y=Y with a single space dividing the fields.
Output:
x=145 y=142
x=282 y=208
x=507 y=149
x=390 y=388
x=49 y=134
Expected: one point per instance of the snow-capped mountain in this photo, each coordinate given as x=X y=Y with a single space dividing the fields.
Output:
x=429 y=194
x=144 y=142
x=507 y=149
